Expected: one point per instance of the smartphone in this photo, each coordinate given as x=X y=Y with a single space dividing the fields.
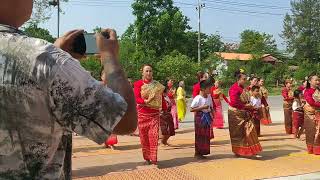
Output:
x=85 y=44
x=90 y=40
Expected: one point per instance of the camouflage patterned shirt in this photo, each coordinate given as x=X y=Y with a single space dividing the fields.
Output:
x=45 y=95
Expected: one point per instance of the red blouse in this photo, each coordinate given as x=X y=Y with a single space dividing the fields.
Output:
x=217 y=96
x=308 y=96
x=140 y=100
x=196 y=90
x=285 y=95
x=235 y=92
x=301 y=88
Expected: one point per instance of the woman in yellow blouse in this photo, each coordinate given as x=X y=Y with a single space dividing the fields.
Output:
x=181 y=101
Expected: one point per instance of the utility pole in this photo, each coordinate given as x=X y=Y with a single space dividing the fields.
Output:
x=56 y=3
x=199 y=7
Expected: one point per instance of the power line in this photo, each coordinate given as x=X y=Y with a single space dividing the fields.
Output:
x=234 y=3
x=96 y=3
x=235 y=10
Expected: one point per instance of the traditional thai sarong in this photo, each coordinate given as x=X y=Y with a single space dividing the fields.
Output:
x=148 y=124
x=218 y=96
x=218 y=114
x=244 y=138
x=202 y=136
x=256 y=120
x=287 y=109
x=312 y=120
x=181 y=103
x=174 y=114
x=243 y=135
x=166 y=124
x=265 y=111
x=265 y=116
x=297 y=121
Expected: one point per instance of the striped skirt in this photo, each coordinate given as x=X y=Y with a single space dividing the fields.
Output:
x=148 y=124
x=243 y=135
x=202 y=136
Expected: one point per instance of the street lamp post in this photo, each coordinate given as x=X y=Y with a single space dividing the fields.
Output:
x=57 y=3
x=199 y=7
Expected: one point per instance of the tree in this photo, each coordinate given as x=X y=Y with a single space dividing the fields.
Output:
x=255 y=42
x=42 y=11
x=178 y=67
x=302 y=30
x=210 y=44
x=159 y=25
x=33 y=30
x=93 y=65
x=213 y=43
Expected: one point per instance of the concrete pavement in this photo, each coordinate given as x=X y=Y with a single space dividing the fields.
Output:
x=282 y=156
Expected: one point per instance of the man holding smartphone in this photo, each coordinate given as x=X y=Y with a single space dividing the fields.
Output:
x=45 y=95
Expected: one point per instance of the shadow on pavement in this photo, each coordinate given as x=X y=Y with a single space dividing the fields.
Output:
x=103 y=170
x=269 y=155
x=275 y=134
x=275 y=139
x=119 y=148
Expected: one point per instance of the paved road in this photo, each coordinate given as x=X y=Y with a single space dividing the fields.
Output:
x=282 y=156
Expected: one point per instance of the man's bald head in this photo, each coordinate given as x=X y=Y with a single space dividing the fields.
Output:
x=15 y=12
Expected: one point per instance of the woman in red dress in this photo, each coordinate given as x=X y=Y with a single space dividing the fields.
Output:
x=312 y=115
x=288 y=98
x=244 y=138
x=149 y=99
x=217 y=95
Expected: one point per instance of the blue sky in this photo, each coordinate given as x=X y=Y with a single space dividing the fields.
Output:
x=227 y=17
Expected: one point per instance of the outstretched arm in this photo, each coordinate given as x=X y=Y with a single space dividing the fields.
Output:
x=117 y=80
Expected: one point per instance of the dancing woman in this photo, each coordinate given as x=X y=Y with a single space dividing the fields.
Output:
x=172 y=96
x=149 y=98
x=288 y=98
x=265 y=110
x=166 y=121
x=181 y=101
x=196 y=87
x=312 y=115
x=217 y=96
x=244 y=138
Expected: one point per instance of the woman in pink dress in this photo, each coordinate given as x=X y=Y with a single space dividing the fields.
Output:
x=217 y=95
x=172 y=96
